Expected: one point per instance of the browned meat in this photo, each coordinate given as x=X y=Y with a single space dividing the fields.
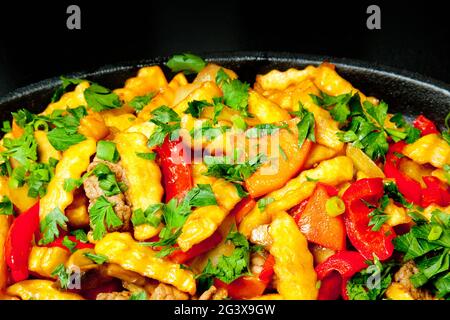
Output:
x=93 y=191
x=402 y=277
x=124 y=295
x=214 y=294
x=168 y=292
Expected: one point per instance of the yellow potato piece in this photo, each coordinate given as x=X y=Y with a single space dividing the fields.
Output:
x=120 y=248
x=70 y=99
x=397 y=215
x=45 y=149
x=73 y=163
x=44 y=260
x=265 y=110
x=206 y=91
x=430 y=149
x=294 y=269
x=121 y=121
x=4 y=228
x=40 y=290
x=396 y=292
x=200 y=225
x=334 y=171
x=317 y=154
x=143 y=176
x=285 y=198
x=281 y=80
x=209 y=73
x=363 y=163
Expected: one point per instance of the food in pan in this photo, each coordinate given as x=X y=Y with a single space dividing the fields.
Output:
x=204 y=187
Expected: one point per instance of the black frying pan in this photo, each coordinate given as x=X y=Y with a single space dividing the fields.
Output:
x=405 y=92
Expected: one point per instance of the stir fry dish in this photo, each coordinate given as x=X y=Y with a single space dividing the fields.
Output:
x=205 y=187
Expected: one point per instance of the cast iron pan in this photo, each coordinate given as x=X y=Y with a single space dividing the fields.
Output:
x=411 y=94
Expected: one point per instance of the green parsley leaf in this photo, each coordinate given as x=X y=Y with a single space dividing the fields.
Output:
x=306 y=125
x=196 y=107
x=151 y=215
x=338 y=106
x=6 y=126
x=80 y=235
x=218 y=105
x=6 y=206
x=168 y=122
x=235 y=92
x=377 y=216
x=222 y=167
x=63 y=275
x=61 y=140
x=96 y=257
x=102 y=215
x=106 y=150
x=66 y=83
x=186 y=62
x=100 y=98
x=240 y=190
x=107 y=180
x=264 y=129
x=69 y=244
x=138 y=103
x=49 y=226
x=22 y=149
x=200 y=196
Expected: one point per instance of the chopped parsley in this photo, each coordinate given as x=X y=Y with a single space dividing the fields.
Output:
x=175 y=215
x=146 y=155
x=69 y=244
x=102 y=215
x=138 y=103
x=63 y=275
x=6 y=206
x=65 y=84
x=99 y=98
x=186 y=62
x=338 y=106
x=224 y=167
x=428 y=244
x=263 y=202
x=235 y=92
x=196 y=107
x=305 y=126
x=264 y=129
x=80 y=235
x=140 y=295
x=167 y=121
x=49 y=226
x=370 y=283
x=150 y=215
x=107 y=180
x=96 y=257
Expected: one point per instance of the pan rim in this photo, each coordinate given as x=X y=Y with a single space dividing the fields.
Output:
x=225 y=56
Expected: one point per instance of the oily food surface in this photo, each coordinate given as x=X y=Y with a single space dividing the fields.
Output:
x=203 y=186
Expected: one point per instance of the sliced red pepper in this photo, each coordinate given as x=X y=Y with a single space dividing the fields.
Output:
x=356 y=218
x=179 y=256
x=436 y=192
x=346 y=263
x=407 y=186
x=425 y=125
x=79 y=245
x=175 y=167
x=330 y=287
x=243 y=208
x=267 y=270
x=19 y=242
x=318 y=226
x=245 y=287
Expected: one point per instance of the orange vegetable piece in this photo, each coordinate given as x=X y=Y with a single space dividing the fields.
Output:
x=318 y=226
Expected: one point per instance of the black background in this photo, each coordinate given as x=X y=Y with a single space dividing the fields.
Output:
x=35 y=43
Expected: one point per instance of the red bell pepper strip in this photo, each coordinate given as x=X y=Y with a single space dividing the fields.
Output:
x=267 y=271
x=245 y=287
x=332 y=191
x=243 y=208
x=19 y=242
x=179 y=256
x=410 y=188
x=330 y=287
x=79 y=245
x=346 y=263
x=436 y=192
x=176 y=169
x=318 y=226
x=356 y=218
x=425 y=125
